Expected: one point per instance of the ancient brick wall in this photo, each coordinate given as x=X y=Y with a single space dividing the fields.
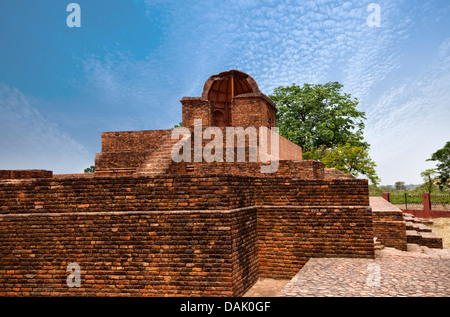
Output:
x=25 y=174
x=286 y=149
x=179 y=235
x=183 y=192
x=126 y=254
x=128 y=150
x=196 y=108
x=123 y=153
x=298 y=192
x=289 y=150
x=132 y=140
x=245 y=250
x=247 y=110
x=390 y=229
x=388 y=224
x=102 y=194
x=300 y=169
x=130 y=159
x=289 y=236
x=334 y=173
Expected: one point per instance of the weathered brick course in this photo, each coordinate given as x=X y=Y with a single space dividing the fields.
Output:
x=25 y=174
x=173 y=235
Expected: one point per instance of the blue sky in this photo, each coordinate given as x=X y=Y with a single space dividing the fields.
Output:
x=131 y=62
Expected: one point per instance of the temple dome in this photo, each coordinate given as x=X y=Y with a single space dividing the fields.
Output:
x=226 y=85
x=221 y=90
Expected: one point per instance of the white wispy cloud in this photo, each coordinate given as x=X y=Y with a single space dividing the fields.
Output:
x=31 y=141
x=282 y=42
x=411 y=120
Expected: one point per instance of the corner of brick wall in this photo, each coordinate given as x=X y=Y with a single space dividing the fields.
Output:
x=390 y=229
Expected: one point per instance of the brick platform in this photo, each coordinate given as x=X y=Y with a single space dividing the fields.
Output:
x=145 y=225
x=180 y=235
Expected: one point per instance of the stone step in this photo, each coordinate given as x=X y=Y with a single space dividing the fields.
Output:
x=422 y=228
x=426 y=222
x=412 y=236
x=160 y=162
x=431 y=240
x=428 y=239
x=413 y=220
x=419 y=227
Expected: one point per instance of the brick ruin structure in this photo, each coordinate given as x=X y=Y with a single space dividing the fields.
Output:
x=144 y=225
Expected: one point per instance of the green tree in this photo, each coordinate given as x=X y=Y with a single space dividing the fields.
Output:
x=400 y=186
x=324 y=121
x=428 y=179
x=319 y=115
x=90 y=169
x=442 y=156
x=349 y=159
x=179 y=125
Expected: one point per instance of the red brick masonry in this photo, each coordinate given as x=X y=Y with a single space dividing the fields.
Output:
x=174 y=235
x=25 y=174
x=143 y=225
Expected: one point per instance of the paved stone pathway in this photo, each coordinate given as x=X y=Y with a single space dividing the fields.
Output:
x=420 y=272
x=267 y=287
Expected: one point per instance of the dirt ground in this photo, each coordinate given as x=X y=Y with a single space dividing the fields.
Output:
x=441 y=226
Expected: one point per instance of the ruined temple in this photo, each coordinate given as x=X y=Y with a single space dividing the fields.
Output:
x=229 y=99
x=145 y=225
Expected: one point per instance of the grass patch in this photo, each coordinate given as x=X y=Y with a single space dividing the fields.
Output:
x=441 y=226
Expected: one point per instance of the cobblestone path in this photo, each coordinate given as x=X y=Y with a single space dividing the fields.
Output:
x=420 y=272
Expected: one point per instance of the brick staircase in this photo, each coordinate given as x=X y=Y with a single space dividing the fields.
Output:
x=161 y=159
x=418 y=233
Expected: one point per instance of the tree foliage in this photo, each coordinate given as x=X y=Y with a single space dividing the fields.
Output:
x=428 y=179
x=179 y=125
x=442 y=156
x=349 y=159
x=324 y=121
x=400 y=185
x=90 y=169
x=319 y=115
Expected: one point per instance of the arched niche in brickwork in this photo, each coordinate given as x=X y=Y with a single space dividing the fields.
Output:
x=220 y=91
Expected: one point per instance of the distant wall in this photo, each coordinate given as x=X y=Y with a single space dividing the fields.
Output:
x=128 y=150
x=25 y=174
x=428 y=213
x=301 y=169
x=132 y=140
x=334 y=173
x=289 y=150
x=125 y=152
